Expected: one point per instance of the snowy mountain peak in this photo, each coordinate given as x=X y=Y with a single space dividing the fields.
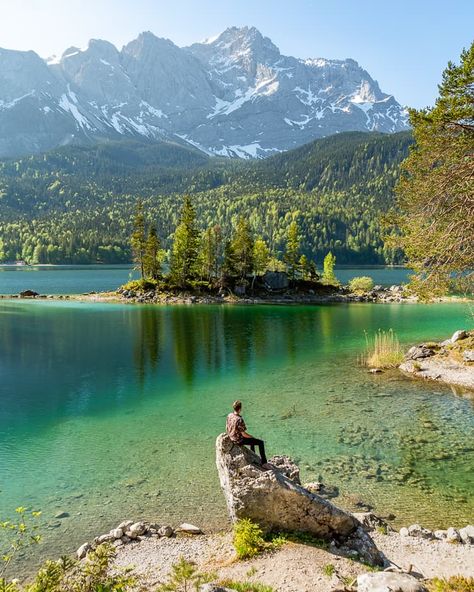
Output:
x=232 y=95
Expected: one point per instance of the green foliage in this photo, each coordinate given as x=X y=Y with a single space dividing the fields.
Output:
x=210 y=256
x=261 y=256
x=452 y=584
x=153 y=255
x=138 y=240
x=140 y=286
x=329 y=277
x=361 y=284
x=436 y=189
x=184 y=254
x=16 y=535
x=77 y=205
x=243 y=248
x=329 y=570
x=69 y=575
x=248 y=539
x=292 y=254
x=185 y=577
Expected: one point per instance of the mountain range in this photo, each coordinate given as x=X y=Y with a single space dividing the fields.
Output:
x=234 y=95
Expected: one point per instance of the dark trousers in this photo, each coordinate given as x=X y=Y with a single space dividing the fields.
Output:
x=252 y=442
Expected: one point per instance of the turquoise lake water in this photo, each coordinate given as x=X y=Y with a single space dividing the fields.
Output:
x=75 y=279
x=111 y=411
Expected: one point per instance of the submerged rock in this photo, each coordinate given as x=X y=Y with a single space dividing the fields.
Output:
x=274 y=501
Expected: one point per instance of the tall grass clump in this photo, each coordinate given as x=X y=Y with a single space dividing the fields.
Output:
x=384 y=350
x=452 y=584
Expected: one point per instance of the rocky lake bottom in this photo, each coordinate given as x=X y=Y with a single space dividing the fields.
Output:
x=111 y=412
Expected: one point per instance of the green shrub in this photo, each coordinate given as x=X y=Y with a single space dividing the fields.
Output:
x=453 y=584
x=139 y=286
x=15 y=536
x=248 y=539
x=68 y=575
x=185 y=577
x=361 y=284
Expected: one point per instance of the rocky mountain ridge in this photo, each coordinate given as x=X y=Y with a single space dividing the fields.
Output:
x=234 y=95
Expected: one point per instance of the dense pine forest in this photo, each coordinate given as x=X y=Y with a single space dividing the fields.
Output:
x=77 y=204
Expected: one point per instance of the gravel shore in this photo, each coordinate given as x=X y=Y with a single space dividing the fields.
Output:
x=294 y=567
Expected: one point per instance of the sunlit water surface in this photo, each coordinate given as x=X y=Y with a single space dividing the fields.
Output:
x=111 y=411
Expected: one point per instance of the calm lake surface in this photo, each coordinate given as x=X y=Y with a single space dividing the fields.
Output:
x=111 y=411
x=76 y=279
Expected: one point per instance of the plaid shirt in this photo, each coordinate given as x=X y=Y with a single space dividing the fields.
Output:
x=235 y=426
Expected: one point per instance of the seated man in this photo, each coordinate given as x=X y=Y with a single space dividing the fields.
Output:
x=235 y=428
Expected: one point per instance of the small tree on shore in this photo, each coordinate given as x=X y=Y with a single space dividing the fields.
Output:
x=261 y=258
x=329 y=276
x=185 y=249
x=242 y=246
x=153 y=255
x=292 y=254
x=229 y=265
x=210 y=253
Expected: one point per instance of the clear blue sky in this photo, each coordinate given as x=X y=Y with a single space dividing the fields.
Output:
x=403 y=44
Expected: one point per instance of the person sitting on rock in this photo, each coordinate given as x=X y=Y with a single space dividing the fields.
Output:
x=236 y=430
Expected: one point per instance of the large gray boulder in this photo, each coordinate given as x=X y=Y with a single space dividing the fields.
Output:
x=388 y=582
x=277 y=503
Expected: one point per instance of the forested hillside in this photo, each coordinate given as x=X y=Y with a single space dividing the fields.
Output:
x=75 y=205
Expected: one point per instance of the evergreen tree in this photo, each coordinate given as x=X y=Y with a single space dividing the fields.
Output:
x=209 y=255
x=292 y=254
x=185 y=246
x=436 y=189
x=303 y=265
x=153 y=255
x=229 y=265
x=329 y=276
x=139 y=238
x=242 y=246
x=261 y=258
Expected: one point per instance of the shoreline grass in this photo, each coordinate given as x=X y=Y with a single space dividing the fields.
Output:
x=383 y=350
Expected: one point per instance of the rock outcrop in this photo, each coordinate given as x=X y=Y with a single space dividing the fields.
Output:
x=451 y=361
x=277 y=502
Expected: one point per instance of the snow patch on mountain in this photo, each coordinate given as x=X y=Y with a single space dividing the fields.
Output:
x=232 y=95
